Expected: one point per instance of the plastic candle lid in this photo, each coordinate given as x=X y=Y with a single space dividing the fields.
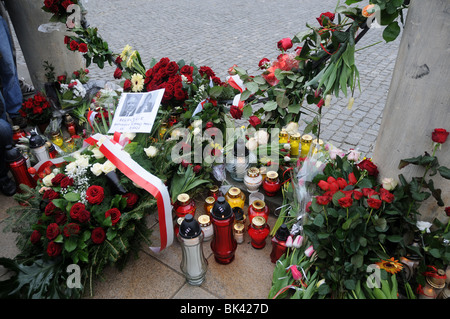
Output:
x=190 y=228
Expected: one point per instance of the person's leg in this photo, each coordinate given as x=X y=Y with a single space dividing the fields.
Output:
x=7 y=185
x=11 y=92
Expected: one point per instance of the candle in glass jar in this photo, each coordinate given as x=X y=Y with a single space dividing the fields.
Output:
x=253 y=180
x=283 y=137
x=295 y=144
x=258 y=232
x=306 y=145
x=239 y=232
x=271 y=184
x=184 y=205
x=206 y=226
x=209 y=203
x=235 y=197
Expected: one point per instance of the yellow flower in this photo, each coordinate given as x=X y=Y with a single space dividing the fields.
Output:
x=125 y=52
x=391 y=266
x=137 y=81
x=131 y=58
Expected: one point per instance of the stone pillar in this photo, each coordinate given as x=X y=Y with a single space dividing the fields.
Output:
x=37 y=47
x=419 y=99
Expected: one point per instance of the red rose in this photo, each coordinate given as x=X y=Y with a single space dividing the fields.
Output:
x=54 y=249
x=172 y=68
x=57 y=179
x=206 y=70
x=254 y=121
x=66 y=182
x=197 y=169
x=386 y=196
x=50 y=209
x=180 y=95
x=76 y=209
x=264 y=63
x=323 y=200
x=98 y=235
x=95 y=194
x=323 y=185
x=60 y=218
x=284 y=44
x=325 y=18
x=132 y=199
x=50 y=194
x=439 y=135
x=84 y=216
x=447 y=211
x=73 y=45
x=71 y=229
x=368 y=192
x=118 y=73
x=357 y=195
x=66 y=3
x=341 y=182
x=209 y=125
x=127 y=85
x=352 y=179
x=83 y=48
x=187 y=70
x=345 y=202
x=370 y=167
x=374 y=203
x=35 y=237
x=308 y=204
x=114 y=213
x=334 y=187
x=52 y=231
x=66 y=39
x=236 y=112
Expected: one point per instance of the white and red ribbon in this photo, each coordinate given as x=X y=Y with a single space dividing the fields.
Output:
x=236 y=82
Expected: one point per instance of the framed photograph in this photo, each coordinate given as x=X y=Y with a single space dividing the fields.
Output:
x=136 y=112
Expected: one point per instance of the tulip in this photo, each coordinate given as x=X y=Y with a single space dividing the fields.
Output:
x=289 y=241
x=296 y=274
x=298 y=241
x=309 y=251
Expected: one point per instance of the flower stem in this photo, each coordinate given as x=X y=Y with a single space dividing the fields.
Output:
x=371 y=210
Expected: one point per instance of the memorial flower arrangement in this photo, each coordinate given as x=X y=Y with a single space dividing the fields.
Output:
x=71 y=91
x=37 y=109
x=58 y=9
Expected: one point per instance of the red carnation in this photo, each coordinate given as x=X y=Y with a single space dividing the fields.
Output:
x=254 y=121
x=374 y=203
x=71 y=229
x=95 y=194
x=439 y=135
x=98 y=235
x=54 y=249
x=114 y=213
x=35 y=237
x=284 y=44
x=83 y=48
x=52 y=231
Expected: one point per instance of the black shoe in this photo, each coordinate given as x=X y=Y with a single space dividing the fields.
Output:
x=19 y=121
x=7 y=186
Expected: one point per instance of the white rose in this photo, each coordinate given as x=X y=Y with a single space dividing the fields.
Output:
x=423 y=226
x=287 y=159
x=252 y=144
x=96 y=169
x=71 y=168
x=108 y=167
x=262 y=137
x=197 y=123
x=82 y=161
x=97 y=153
x=287 y=146
x=47 y=180
x=151 y=151
x=389 y=183
x=292 y=128
x=56 y=171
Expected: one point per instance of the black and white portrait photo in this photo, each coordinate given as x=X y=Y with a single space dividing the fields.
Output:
x=130 y=104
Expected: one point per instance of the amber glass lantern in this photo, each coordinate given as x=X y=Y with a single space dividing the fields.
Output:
x=214 y=192
x=271 y=184
x=235 y=197
x=184 y=205
x=209 y=203
x=258 y=232
x=258 y=208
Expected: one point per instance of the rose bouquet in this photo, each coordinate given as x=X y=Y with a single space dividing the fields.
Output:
x=37 y=109
x=58 y=9
x=84 y=213
x=71 y=91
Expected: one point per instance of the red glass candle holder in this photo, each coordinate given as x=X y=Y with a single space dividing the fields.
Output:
x=279 y=243
x=258 y=208
x=271 y=184
x=224 y=243
x=18 y=167
x=258 y=232
x=184 y=205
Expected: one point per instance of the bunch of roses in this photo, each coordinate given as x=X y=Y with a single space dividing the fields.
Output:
x=37 y=109
x=58 y=7
x=73 y=45
x=78 y=219
x=285 y=61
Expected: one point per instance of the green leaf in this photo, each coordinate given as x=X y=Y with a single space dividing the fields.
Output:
x=270 y=106
x=318 y=220
x=294 y=108
x=444 y=171
x=350 y=284
x=252 y=87
x=70 y=244
x=357 y=260
x=391 y=32
x=72 y=197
